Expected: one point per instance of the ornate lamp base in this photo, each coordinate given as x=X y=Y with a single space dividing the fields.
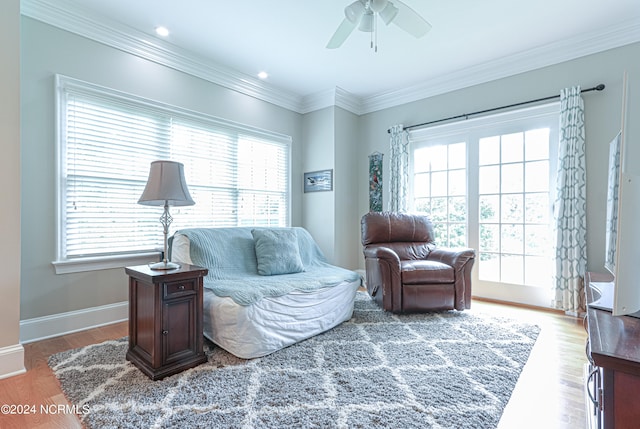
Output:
x=165 y=220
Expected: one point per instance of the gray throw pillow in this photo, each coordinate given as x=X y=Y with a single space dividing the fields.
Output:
x=277 y=251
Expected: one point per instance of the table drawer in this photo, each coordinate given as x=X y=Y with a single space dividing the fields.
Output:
x=179 y=288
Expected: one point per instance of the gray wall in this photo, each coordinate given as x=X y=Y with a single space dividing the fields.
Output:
x=347 y=185
x=46 y=51
x=331 y=138
x=319 y=154
x=10 y=179
x=603 y=116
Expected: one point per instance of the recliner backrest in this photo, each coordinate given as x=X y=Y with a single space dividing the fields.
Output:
x=391 y=227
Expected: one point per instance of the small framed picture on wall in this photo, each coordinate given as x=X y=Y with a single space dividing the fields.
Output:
x=315 y=181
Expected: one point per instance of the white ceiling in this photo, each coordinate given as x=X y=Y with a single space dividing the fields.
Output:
x=287 y=38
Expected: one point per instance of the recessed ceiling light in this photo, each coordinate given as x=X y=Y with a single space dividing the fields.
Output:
x=162 y=31
x=263 y=75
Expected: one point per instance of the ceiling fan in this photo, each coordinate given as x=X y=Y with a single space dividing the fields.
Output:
x=363 y=14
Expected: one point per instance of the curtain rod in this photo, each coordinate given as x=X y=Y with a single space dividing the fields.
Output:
x=466 y=115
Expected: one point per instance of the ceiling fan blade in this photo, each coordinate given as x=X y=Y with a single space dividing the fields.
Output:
x=409 y=20
x=341 y=34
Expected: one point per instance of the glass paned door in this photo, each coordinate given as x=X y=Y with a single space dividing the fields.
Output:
x=488 y=183
x=514 y=208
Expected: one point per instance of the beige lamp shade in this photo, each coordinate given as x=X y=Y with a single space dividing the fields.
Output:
x=166 y=184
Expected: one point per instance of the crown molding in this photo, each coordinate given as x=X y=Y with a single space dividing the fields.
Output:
x=71 y=18
x=317 y=101
x=332 y=97
x=543 y=56
x=348 y=101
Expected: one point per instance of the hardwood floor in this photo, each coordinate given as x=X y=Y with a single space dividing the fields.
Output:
x=548 y=394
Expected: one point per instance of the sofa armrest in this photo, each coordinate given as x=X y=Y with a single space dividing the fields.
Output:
x=456 y=258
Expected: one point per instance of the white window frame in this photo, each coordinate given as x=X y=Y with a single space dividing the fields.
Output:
x=63 y=85
x=470 y=131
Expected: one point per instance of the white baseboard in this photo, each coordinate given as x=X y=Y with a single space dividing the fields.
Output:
x=11 y=361
x=40 y=328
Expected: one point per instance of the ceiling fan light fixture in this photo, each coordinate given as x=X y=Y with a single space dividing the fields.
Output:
x=363 y=14
x=354 y=11
x=388 y=13
x=366 y=22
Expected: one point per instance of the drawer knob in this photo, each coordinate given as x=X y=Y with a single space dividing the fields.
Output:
x=165 y=332
x=181 y=287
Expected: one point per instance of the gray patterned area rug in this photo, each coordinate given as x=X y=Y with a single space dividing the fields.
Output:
x=378 y=370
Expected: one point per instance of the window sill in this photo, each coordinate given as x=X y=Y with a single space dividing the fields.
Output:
x=103 y=262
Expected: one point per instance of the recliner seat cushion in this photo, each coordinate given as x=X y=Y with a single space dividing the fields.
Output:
x=426 y=272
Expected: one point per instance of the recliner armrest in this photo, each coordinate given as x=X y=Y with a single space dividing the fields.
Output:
x=384 y=281
x=456 y=258
x=381 y=252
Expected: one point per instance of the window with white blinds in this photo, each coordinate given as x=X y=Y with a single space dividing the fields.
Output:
x=237 y=175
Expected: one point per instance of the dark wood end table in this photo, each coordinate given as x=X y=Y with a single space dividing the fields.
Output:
x=165 y=319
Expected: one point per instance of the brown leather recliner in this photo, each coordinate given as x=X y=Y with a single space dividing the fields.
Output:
x=406 y=272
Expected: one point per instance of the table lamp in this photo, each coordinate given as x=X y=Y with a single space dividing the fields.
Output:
x=166 y=187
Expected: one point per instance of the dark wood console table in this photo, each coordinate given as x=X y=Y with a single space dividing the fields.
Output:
x=613 y=350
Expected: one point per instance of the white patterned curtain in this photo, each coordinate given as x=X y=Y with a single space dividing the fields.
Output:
x=570 y=206
x=399 y=177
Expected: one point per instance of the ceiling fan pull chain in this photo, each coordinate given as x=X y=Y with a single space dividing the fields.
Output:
x=371 y=34
x=375 y=29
